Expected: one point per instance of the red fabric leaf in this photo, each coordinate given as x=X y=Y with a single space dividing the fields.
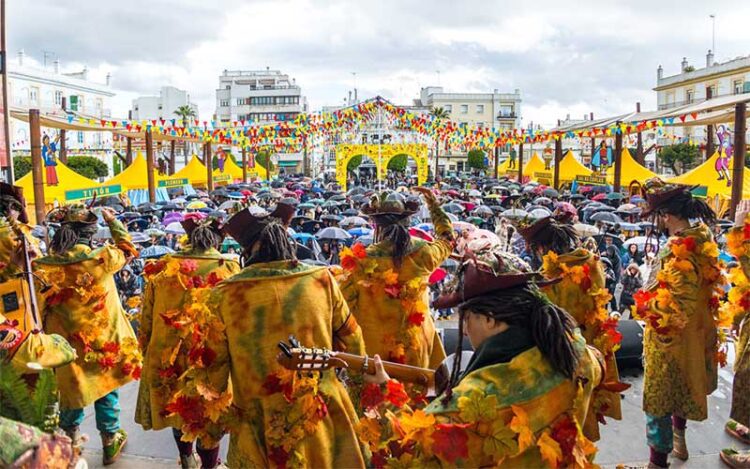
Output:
x=371 y=396
x=451 y=441
x=395 y=393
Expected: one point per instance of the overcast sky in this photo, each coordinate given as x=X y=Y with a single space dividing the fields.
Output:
x=566 y=57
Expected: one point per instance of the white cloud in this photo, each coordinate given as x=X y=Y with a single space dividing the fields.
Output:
x=566 y=58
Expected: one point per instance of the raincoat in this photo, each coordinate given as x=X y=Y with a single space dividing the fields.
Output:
x=735 y=310
x=680 y=309
x=520 y=413
x=166 y=322
x=82 y=305
x=284 y=418
x=391 y=303
x=582 y=293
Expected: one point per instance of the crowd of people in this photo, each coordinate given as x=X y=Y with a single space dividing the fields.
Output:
x=191 y=297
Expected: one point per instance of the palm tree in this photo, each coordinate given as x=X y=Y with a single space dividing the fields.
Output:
x=438 y=113
x=185 y=113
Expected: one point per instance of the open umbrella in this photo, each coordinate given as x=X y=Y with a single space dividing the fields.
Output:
x=154 y=232
x=641 y=242
x=353 y=221
x=453 y=208
x=175 y=228
x=311 y=226
x=584 y=230
x=360 y=231
x=606 y=217
x=615 y=196
x=550 y=192
x=365 y=240
x=484 y=234
x=196 y=205
x=333 y=233
x=482 y=210
x=540 y=212
x=103 y=233
x=230 y=205
x=453 y=218
x=306 y=206
x=350 y=212
x=475 y=220
x=515 y=213
x=138 y=237
x=334 y=218
x=462 y=225
x=542 y=201
x=153 y=252
x=428 y=227
x=475 y=193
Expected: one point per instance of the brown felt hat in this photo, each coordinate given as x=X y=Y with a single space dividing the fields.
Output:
x=390 y=208
x=8 y=191
x=244 y=227
x=659 y=193
x=490 y=270
x=529 y=229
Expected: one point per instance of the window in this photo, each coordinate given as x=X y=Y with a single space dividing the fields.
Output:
x=689 y=95
x=58 y=97
x=448 y=108
x=80 y=137
x=224 y=103
x=460 y=166
x=480 y=108
x=228 y=87
x=714 y=90
x=738 y=87
x=160 y=107
x=506 y=111
x=464 y=109
x=73 y=103
x=33 y=95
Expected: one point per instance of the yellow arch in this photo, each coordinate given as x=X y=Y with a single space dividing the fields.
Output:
x=381 y=155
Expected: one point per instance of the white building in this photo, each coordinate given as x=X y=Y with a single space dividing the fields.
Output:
x=691 y=85
x=162 y=106
x=255 y=96
x=496 y=110
x=43 y=88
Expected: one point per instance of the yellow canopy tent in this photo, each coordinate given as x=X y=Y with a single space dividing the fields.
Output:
x=72 y=187
x=504 y=168
x=194 y=172
x=134 y=176
x=706 y=175
x=534 y=165
x=631 y=171
x=570 y=167
x=232 y=173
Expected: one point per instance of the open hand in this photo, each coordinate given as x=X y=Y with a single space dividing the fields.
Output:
x=426 y=192
x=108 y=214
x=380 y=376
x=743 y=208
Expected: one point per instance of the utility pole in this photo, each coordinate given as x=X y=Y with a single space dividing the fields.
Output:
x=738 y=171
x=6 y=154
x=63 y=136
x=36 y=163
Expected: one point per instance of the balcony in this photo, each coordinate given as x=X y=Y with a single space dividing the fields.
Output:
x=507 y=115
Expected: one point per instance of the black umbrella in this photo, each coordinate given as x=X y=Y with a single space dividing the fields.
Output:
x=550 y=192
x=606 y=217
x=615 y=240
x=147 y=207
x=351 y=212
x=311 y=227
x=331 y=218
x=453 y=208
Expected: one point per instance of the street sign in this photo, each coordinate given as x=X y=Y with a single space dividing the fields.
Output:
x=81 y=194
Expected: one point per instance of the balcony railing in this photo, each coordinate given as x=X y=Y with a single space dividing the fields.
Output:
x=666 y=106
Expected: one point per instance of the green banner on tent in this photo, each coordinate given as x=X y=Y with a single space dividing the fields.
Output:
x=223 y=178
x=80 y=194
x=700 y=192
x=543 y=175
x=172 y=182
x=591 y=180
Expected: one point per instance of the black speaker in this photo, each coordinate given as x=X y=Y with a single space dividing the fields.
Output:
x=630 y=352
x=450 y=341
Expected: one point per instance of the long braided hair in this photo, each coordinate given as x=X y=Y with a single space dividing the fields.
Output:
x=274 y=245
x=527 y=307
x=557 y=237
x=688 y=207
x=70 y=234
x=204 y=237
x=399 y=236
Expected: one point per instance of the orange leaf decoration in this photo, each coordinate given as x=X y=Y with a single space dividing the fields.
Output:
x=549 y=449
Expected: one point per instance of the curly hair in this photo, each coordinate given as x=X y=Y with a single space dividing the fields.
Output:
x=557 y=237
x=688 y=207
x=274 y=245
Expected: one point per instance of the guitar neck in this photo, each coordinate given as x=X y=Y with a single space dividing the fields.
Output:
x=406 y=373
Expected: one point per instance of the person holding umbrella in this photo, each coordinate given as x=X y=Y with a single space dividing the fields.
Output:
x=680 y=309
x=386 y=284
x=171 y=328
x=583 y=294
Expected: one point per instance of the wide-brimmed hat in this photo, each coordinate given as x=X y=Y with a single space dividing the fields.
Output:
x=12 y=193
x=194 y=220
x=390 y=208
x=659 y=192
x=73 y=213
x=487 y=270
x=244 y=227
x=528 y=228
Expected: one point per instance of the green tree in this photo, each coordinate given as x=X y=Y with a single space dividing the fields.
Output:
x=398 y=163
x=116 y=165
x=88 y=166
x=354 y=163
x=185 y=113
x=439 y=114
x=21 y=166
x=263 y=158
x=683 y=154
x=475 y=160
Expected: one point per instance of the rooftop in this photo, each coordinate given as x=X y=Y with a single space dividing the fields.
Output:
x=735 y=64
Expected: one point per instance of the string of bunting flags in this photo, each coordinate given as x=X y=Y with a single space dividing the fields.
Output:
x=324 y=128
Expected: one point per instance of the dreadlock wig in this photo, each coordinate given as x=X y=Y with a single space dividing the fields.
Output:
x=688 y=207
x=271 y=244
x=205 y=237
x=70 y=234
x=554 y=236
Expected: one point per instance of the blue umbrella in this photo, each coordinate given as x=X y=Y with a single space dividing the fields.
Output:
x=153 y=252
x=428 y=227
x=360 y=231
x=302 y=237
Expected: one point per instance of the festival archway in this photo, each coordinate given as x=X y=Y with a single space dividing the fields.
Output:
x=381 y=155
